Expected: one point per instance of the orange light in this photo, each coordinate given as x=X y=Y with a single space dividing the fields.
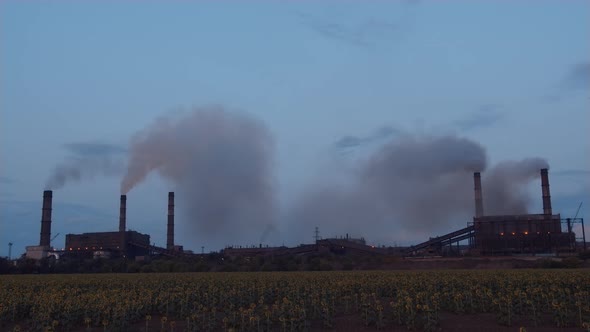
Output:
x=526 y=233
x=513 y=233
x=502 y=234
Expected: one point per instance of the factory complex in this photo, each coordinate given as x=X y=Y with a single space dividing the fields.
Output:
x=545 y=233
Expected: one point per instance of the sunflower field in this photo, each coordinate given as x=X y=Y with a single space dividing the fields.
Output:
x=291 y=301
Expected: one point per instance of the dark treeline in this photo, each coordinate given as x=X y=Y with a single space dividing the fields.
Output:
x=208 y=263
x=219 y=263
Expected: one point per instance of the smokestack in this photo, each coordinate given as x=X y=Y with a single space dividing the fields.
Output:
x=546 y=194
x=46 y=218
x=170 y=234
x=123 y=213
x=478 y=195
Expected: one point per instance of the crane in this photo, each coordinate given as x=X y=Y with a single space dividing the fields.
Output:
x=53 y=238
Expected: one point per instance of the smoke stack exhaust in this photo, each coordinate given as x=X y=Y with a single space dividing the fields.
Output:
x=478 y=195
x=123 y=214
x=46 y=218
x=546 y=194
x=170 y=233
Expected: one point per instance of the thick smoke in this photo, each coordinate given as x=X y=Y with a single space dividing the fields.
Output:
x=221 y=165
x=417 y=185
x=412 y=188
x=504 y=186
x=87 y=160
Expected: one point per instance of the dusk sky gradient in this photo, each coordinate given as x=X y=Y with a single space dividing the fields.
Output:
x=331 y=81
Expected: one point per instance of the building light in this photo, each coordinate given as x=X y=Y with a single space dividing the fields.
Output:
x=513 y=233
x=526 y=233
x=502 y=234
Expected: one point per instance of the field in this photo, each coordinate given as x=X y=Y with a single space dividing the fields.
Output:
x=539 y=300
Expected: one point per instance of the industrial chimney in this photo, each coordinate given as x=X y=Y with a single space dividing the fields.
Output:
x=478 y=195
x=123 y=213
x=170 y=234
x=546 y=194
x=46 y=219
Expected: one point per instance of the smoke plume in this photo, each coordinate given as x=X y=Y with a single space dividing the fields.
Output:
x=87 y=160
x=412 y=188
x=414 y=184
x=504 y=186
x=221 y=165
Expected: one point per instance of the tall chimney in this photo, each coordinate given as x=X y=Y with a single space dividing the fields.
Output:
x=123 y=213
x=546 y=194
x=46 y=219
x=478 y=195
x=170 y=234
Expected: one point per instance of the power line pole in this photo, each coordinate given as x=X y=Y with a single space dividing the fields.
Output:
x=9 y=250
x=317 y=234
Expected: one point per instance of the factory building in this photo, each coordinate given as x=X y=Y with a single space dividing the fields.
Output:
x=506 y=234
x=123 y=243
x=526 y=233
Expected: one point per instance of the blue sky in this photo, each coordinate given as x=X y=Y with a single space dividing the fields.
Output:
x=513 y=76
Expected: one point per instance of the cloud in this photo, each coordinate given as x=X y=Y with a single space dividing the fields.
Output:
x=6 y=180
x=366 y=34
x=88 y=149
x=86 y=160
x=571 y=172
x=578 y=77
x=486 y=116
x=350 y=141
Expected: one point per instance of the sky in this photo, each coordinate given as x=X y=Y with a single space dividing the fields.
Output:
x=331 y=82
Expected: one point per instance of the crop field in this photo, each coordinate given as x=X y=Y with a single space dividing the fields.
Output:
x=295 y=301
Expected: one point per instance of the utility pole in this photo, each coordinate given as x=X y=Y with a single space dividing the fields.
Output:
x=202 y=250
x=9 y=250
x=317 y=234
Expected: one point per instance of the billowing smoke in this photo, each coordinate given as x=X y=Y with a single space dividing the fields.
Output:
x=504 y=186
x=417 y=185
x=85 y=161
x=221 y=165
x=412 y=188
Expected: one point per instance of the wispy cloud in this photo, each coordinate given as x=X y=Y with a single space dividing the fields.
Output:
x=349 y=141
x=89 y=149
x=578 y=77
x=485 y=116
x=575 y=79
x=86 y=160
x=571 y=172
x=7 y=180
x=366 y=34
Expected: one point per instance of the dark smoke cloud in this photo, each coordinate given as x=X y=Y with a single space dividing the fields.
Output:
x=412 y=188
x=413 y=184
x=504 y=186
x=221 y=165
x=87 y=160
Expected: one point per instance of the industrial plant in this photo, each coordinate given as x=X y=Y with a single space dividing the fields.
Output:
x=485 y=235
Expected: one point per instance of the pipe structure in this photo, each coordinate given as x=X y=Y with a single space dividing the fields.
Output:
x=45 y=238
x=123 y=214
x=546 y=193
x=170 y=230
x=478 y=195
